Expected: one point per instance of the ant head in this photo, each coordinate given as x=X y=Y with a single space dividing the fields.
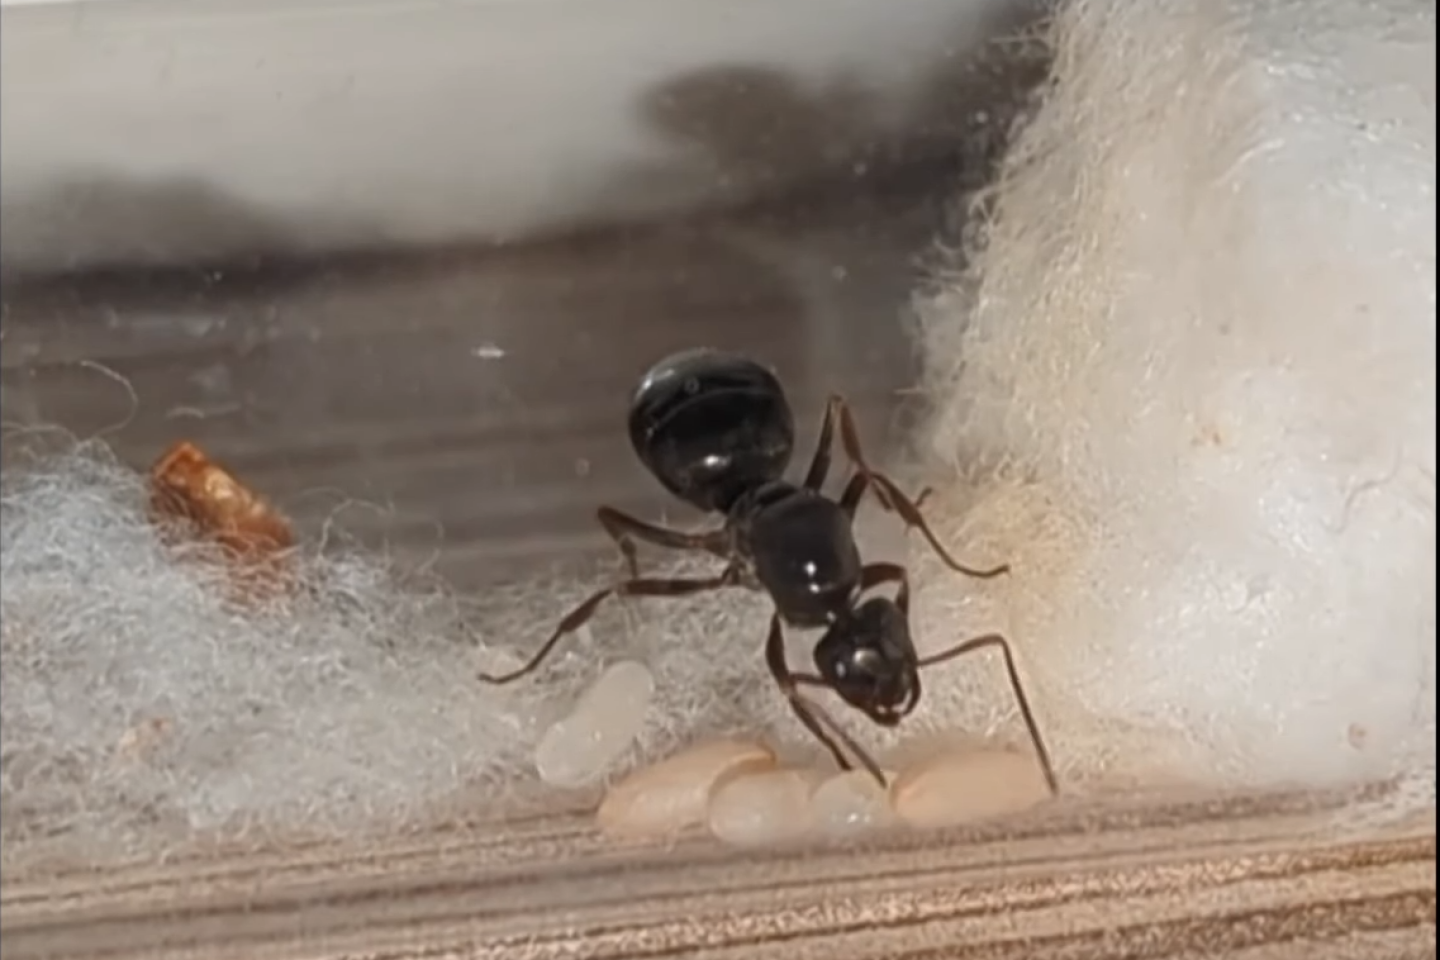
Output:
x=869 y=659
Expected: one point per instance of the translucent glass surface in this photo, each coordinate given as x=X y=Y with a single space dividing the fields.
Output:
x=474 y=398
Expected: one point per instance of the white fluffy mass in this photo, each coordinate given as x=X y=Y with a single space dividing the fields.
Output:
x=1187 y=386
x=143 y=704
x=137 y=697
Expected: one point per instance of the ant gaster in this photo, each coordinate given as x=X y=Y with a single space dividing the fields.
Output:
x=717 y=431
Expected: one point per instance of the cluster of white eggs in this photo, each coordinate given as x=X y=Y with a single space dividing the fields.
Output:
x=740 y=791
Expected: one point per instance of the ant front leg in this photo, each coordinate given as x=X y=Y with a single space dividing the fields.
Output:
x=582 y=614
x=996 y=640
x=625 y=530
x=876 y=574
x=891 y=497
x=820 y=724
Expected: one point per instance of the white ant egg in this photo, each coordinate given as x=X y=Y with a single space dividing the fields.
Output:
x=577 y=749
x=851 y=802
x=760 y=809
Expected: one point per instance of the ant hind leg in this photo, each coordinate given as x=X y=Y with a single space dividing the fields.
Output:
x=626 y=530
x=824 y=451
x=583 y=614
x=893 y=499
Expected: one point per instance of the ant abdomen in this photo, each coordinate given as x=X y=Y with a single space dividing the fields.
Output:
x=711 y=426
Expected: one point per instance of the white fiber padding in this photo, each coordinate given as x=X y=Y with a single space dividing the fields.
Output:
x=1187 y=386
x=142 y=709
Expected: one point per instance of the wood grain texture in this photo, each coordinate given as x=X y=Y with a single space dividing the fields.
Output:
x=1238 y=877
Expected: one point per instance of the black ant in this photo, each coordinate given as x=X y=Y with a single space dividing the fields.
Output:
x=717 y=431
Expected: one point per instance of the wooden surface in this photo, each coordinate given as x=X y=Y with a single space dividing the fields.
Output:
x=1243 y=877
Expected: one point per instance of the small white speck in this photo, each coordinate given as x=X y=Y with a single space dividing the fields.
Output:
x=200 y=325
x=213 y=381
x=488 y=351
x=838 y=273
x=582 y=468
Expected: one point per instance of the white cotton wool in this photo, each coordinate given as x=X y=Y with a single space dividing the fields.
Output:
x=1186 y=387
x=141 y=710
x=140 y=706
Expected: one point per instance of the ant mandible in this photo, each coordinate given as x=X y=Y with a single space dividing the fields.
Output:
x=716 y=430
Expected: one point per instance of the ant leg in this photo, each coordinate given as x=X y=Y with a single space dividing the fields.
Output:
x=891 y=497
x=775 y=659
x=824 y=451
x=625 y=530
x=837 y=410
x=582 y=614
x=874 y=574
x=859 y=485
x=854 y=491
x=877 y=573
x=996 y=640
x=816 y=720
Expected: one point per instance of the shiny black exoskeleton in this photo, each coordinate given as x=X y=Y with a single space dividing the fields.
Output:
x=717 y=431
